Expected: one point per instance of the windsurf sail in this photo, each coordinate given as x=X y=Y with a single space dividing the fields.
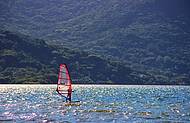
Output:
x=64 y=84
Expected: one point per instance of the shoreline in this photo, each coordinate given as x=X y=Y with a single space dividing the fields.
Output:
x=91 y=85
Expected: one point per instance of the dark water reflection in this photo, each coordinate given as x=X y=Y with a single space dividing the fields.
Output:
x=117 y=104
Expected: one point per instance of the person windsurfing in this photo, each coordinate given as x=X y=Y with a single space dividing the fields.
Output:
x=68 y=99
x=64 y=84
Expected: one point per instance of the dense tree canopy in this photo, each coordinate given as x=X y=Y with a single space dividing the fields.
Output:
x=148 y=36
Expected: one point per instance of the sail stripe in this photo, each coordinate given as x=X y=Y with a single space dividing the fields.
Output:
x=65 y=78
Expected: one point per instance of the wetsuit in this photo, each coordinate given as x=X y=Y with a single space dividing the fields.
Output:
x=69 y=95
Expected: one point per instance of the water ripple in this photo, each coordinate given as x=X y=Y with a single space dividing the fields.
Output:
x=39 y=103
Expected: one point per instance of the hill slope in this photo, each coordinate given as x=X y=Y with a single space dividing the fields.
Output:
x=152 y=36
x=28 y=60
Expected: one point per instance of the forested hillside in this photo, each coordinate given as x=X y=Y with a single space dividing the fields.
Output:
x=28 y=60
x=151 y=36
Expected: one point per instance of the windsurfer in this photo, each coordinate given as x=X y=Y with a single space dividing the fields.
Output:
x=69 y=94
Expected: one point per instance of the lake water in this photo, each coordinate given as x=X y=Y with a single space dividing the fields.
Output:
x=99 y=103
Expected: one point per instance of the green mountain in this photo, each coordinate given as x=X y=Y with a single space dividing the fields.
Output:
x=151 y=36
x=28 y=60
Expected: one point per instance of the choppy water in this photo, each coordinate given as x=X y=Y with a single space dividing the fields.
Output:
x=115 y=104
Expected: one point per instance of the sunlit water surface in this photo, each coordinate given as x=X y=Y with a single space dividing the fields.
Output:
x=99 y=103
